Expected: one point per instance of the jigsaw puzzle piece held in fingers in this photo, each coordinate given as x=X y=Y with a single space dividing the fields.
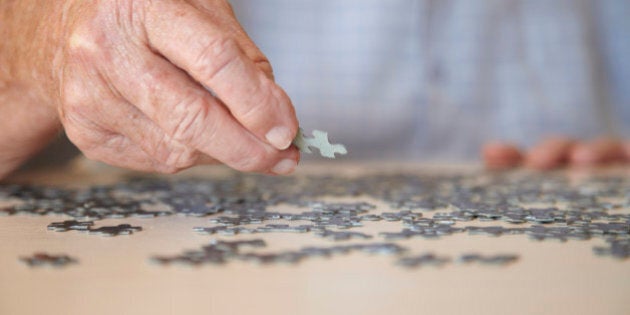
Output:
x=319 y=141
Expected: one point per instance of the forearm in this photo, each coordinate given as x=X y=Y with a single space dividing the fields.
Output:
x=27 y=118
x=31 y=42
x=25 y=128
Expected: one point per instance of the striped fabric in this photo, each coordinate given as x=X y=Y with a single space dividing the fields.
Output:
x=434 y=79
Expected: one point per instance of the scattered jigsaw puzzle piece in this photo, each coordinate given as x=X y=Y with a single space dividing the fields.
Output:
x=319 y=141
x=41 y=259
x=499 y=259
x=121 y=229
x=428 y=259
x=341 y=235
x=86 y=226
x=70 y=225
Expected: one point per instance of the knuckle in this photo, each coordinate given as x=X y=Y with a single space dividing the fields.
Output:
x=251 y=162
x=262 y=102
x=179 y=158
x=116 y=142
x=132 y=14
x=84 y=42
x=98 y=33
x=215 y=56
x=166 y=169
x=189 y=115
x=171 y=154
x=268 y=105
x=265 y=66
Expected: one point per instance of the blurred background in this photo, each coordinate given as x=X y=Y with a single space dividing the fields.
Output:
x=433 y=80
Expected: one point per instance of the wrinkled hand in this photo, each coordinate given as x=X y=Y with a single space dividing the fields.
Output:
x=556 y=152
x=128 y=80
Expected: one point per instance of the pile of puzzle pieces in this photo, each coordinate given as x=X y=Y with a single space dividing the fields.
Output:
x=540 y=206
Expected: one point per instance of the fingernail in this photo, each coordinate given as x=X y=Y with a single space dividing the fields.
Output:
x=280 y=137
x=284 y=167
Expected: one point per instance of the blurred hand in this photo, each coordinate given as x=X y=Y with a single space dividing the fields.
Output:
x=127 y=80
x=555 y=152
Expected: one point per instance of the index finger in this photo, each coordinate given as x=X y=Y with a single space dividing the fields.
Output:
x=209 y=53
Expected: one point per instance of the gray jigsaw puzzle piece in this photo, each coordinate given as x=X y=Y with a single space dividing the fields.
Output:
x=70 y=225
x=499 y=259
x=319 y=141
x=42 y=259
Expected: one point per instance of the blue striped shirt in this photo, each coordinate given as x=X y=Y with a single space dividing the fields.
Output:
x=436 y=79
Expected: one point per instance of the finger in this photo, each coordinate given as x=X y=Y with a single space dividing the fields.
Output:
x=498 y=155
x=189 y=115
x=127 y=154
x=172 y=155
x=597 y=152
x=113 y=149
x=228 y=21
x=550 y=153
x=98 y=142
x=94 y=112
x=211 y=55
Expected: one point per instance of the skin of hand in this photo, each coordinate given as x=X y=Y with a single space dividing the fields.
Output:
x=156 y=86
x=556 y=152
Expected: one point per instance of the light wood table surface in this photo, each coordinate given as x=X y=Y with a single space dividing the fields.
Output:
x=115 y=277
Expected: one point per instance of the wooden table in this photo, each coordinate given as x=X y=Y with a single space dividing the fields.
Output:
x=115 y=277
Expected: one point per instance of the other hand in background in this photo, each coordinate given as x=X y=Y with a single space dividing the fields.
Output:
x=556 y=152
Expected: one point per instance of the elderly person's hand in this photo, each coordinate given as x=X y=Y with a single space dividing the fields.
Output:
x=130 y=83
x=555 y=152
